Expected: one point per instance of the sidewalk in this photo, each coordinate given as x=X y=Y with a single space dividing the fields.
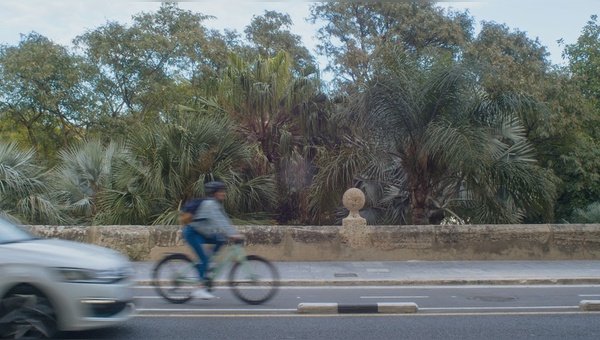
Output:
x=423 y=272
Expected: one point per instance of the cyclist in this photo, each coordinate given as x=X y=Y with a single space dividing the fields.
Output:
x=209 y=225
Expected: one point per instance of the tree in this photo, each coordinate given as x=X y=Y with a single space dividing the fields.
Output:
x=25 y=191
x=167 y=163
x=344 y=154
x=276 y=112
x=439 y=146
x=355 y=32
x=508 y=60
x=270 y=33
x=144 y=69
x=578 y=90
x=584 y=59
x=83 y=172
x=42 y=92
x=557 y=120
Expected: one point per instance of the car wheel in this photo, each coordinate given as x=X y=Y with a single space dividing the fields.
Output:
x=26 y=313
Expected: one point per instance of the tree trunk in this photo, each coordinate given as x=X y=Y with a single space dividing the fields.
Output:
x=419 y=207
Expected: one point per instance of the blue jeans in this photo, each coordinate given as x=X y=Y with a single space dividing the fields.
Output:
x=196 y=240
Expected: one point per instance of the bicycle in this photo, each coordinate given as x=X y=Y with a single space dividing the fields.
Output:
x=252 y=278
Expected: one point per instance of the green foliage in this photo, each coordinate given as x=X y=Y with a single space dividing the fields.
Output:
x=354 y=33
x=571 y=148
x=278 y=113
x=40 y=93
x=591 y=214
x=25 y=192
x=584 y=59
x=83 y=173
x=270 y=33
x=138 y=69
x=559 y=121
x=443 y=145
x=168 y=163
x=507 y=60
x=428 y=120
x=339 y=166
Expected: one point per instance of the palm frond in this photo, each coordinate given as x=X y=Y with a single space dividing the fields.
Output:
x=27 y=193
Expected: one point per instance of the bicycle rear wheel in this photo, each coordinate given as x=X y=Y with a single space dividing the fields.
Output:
x=254 y=281
x=175 y=278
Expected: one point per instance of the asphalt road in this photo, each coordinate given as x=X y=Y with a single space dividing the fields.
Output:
x=445 y=312
x=417 y=326
x=430 y=299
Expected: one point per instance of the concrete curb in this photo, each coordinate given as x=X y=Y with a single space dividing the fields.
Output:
x=589 y=305
x=424 y=282
x=337 y=308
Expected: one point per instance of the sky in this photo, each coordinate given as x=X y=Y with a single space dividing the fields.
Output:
x=62 y=21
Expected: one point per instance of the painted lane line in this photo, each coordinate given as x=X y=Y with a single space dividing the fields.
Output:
x=396 y=297
x=215 y=310
x=498 y=308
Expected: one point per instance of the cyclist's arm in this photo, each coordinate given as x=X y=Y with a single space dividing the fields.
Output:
x=212 y=213
x=185 y=218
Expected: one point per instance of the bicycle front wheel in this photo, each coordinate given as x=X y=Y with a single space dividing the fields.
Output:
x=254 y=280
x=175 y=278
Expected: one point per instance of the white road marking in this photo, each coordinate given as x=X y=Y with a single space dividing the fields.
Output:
x=215 y=309
x=396 y=297
x=498 y=308
x=155 y=297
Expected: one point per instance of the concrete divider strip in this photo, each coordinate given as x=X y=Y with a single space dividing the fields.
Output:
x=390 y=307
x=589 y=305
x=318 y=308
x=335 y=308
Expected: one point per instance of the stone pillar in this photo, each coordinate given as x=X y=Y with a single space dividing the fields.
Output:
x=353 y=200
x=354 y=227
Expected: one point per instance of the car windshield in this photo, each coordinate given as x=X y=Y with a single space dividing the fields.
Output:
x=11 y=233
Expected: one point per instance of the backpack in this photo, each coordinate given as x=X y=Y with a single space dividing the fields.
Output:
x=188 y=210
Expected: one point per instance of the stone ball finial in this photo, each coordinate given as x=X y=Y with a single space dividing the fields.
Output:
x=354 y=200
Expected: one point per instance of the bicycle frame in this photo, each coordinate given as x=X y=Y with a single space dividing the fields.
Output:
x=251 y=278
x=230 y=254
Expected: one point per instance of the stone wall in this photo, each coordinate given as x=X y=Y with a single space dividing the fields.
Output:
x=359 y=242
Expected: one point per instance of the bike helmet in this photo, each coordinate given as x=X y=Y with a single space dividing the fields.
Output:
x=212 y=187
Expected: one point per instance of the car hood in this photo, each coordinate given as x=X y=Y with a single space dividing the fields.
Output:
x=56 y=252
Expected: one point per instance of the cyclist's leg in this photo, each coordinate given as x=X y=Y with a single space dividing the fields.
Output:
x=218 y=240
x=195 y=240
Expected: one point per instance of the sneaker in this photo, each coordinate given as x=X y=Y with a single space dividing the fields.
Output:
x=203 y=294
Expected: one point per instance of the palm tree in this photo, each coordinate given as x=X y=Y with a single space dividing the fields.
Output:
x=83 y=172
x=444 y=147
x=26 y=193
x=167 y=164
x=278 y=113
x=456 y=147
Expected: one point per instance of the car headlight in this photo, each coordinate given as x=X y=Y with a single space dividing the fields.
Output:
x=82 y=275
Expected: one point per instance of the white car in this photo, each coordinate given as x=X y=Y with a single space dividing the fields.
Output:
x=50 y=285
